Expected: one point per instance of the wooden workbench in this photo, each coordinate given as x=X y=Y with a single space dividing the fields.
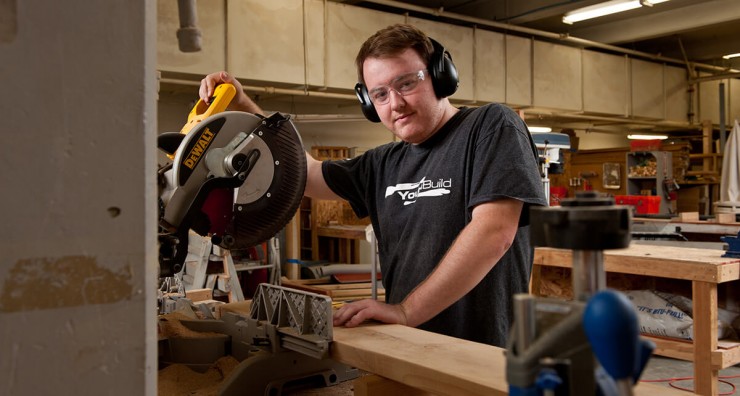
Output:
x=433 y=363
x=705 y=269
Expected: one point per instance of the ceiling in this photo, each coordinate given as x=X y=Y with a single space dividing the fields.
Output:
x=693 y=32
x=703 y=30
x=699 y=32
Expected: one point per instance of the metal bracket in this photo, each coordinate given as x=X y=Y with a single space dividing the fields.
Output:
x=302 y=319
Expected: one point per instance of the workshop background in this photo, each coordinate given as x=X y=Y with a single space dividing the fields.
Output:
x=89 y=85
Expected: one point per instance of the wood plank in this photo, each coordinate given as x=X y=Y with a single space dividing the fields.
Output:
x=433 y=362
x=725 y=218
x=704 y=265
x=355 y=293
x=423 y=360
x=673 y=348
x=196 y=295
x=725 y=358
x=688 y=216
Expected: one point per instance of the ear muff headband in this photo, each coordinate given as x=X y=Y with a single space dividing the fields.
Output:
x=441 y=70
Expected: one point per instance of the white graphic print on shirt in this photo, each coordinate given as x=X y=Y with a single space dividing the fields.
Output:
x=409 y=192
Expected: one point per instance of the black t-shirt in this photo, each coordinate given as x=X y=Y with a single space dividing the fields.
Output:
x=419 y=198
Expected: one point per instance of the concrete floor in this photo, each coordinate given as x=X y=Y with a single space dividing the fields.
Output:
x=665 y=368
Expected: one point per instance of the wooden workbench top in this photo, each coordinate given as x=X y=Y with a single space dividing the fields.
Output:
x=706 y=265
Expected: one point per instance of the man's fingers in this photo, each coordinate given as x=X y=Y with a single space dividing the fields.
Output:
x=348 y=314
x=208 y=85
x=357 y=319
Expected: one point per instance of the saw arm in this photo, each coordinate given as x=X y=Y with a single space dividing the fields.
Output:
x=235 y=177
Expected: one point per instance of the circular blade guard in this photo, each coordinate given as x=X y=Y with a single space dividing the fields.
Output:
x=273 y=190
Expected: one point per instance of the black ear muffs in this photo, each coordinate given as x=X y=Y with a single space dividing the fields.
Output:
x=368 y=109
x=441 y=70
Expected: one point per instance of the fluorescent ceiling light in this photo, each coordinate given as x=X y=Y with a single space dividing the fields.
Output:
x=601 y=9
x=539 y=129
x=647 y=137
x=730 y=56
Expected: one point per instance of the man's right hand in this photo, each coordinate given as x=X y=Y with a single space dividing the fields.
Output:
x=241 y=101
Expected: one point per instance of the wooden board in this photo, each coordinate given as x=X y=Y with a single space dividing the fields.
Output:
x=434 y=363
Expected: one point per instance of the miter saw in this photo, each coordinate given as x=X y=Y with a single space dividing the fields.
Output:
x=235 y=177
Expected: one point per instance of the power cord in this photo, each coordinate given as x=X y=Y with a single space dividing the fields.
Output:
x=721 y=379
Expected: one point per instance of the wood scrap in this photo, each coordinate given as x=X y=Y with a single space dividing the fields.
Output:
x=688 y=216
x=196 y=295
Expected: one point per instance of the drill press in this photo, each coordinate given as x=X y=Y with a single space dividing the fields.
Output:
x=590 y=345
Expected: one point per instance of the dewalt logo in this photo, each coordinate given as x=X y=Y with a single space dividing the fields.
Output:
x=200 y=147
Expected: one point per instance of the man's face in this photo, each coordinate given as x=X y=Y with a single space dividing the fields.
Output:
x=417 y=114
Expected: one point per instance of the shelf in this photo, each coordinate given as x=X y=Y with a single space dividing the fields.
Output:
x=343 y=231
x=646 y=170
x=250 y=267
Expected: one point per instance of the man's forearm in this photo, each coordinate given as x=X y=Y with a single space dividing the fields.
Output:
x=245 y=103
x=474 y=253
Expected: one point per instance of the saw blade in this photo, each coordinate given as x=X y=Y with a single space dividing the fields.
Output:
x=272 y=192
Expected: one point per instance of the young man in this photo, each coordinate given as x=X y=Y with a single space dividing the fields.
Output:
x=449 y=203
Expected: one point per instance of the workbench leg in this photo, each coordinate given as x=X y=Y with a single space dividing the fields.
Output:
x=705 y=337
x=535 y=279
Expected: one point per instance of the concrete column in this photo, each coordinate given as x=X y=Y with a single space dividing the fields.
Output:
x=78 y=263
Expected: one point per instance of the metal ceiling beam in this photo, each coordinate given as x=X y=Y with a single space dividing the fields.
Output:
x=663 y=23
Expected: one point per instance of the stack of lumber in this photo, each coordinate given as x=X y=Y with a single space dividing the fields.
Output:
x=337 y=291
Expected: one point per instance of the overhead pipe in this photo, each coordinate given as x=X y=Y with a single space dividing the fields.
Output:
x=617 y=120
x=188 y=35
x=353 y=98
x=269 y=90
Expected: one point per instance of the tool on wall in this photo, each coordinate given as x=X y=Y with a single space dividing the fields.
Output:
x=235 y=177
x=549 y=146
x=588 y=346
x=670 y=186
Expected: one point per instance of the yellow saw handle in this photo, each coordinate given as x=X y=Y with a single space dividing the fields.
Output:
x=221 y=98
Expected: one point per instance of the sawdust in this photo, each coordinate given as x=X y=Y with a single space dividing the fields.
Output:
x=179 y=380
x=170 y=326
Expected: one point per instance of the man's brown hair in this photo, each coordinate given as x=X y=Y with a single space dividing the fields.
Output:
x=392 y=41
